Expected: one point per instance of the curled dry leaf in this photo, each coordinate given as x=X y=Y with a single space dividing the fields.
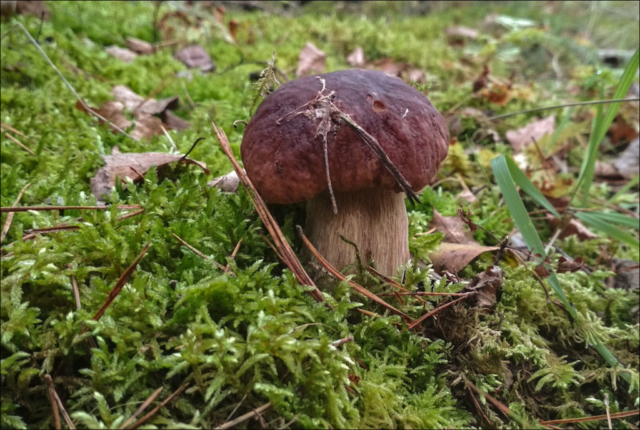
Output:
x=111 y=111
x=486 y=286
x=195 y=57
x=174 y=121
x=131 y=165
x=574 y=227
x=565 y=266
x=626 y=165
x=133 y=102
x=453 y=257
x=455 y=230
x=138 y=46
x=357 y=58
x=311 y=60
x=227 y=183
x=534 y=131
x=123 y=54
x=36 y=8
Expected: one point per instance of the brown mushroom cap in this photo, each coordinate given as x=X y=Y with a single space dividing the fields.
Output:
x=285 y=158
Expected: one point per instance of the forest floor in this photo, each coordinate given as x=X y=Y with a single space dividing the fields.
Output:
x=164 y=305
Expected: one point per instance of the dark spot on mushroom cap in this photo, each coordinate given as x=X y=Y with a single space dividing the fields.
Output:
x=416 y=140
x=378 y=106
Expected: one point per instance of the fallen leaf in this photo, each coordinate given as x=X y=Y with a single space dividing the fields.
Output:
x=534 y=131
x=620 y=131
x=568 y=266
x=113 y=112
x=481 y=81
x=457 y=36
x=356 y=58
x=454 y=229
x=311 y=60
x=123 y=54
x=133 y=102
x=36 y=8
x=541 y=271
x=233 y=29
x=574 y=227
x=404 y=71
x=454 y=257
x=486 y=286
x=227 y=183
x=195 y=57
x=138 y=46
x=174 y=121
x=626 y=165
x=131 y=165
x=146 y=126
x=498 y=94
x=467 y=196
x=627 y=274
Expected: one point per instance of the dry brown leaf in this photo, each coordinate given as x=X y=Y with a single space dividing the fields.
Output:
x=227 y=183
x=486 y=286
x=534 y=131
x=458 y=36
x=454 y=257
x=113 y=112
x=454 y=229
x=357 y=58
x=498 y=94
x=311 y=60
x=138 y=46
x=574 y=265
x=131 y=165
x=626 y=165
x=132 y=101
x=146 y=126
x=36 y=8
x=467 y=196
x=233 y=29
x=123 y=54
x=174 y=121
x=195 y=57
x=574 y=227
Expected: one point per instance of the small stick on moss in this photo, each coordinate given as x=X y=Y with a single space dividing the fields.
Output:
x=63 y=411
x=360 y=289
x=242 y=418
x=340 y=342
x=606 y=406
x=233 y=255
x=20 y=144
x=168 y=136
x=266 y=239
x=436 y=310
x=120 y=283
x=391 y=282
x=593 y=418
x=142 y=407
x=7 y=223
x=270 y=224
x=52 y=399
x=422 y=293
x=14 y=131
x=62 y=208
x=477 y=405
x=197 y=252
x=157 y=408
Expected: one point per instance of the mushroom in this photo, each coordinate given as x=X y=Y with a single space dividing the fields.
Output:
x=296 y=141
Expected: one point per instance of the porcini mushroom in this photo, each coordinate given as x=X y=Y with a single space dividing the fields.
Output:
x=298 y=147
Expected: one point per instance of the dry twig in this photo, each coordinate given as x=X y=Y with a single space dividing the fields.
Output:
x=62 y=208
x=63 y=411
x=20 y=144
x=157 y=408
x=242 y=418
x=142 y=407
x=7 y=223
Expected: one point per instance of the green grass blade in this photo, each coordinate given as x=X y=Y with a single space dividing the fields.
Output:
x=602 y=124
x=525 y=184
x=619 y=219
x=525 y=225
x=597 y=222
x=632 y=183
x=519 y=213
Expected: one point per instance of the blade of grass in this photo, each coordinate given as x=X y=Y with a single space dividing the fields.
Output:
x=632 y=183
x=525 y=184
x=602 y=124
x=531 y=238
x=595 y=221
x=616 y=218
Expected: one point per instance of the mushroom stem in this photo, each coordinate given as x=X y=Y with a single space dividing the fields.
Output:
x=374 y=219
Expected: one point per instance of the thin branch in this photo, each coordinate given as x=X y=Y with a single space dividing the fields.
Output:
x=142 y=407
x=62 y=208
x=67 y=84
x=270 y=224
x=436 y=310
x=63 y=411
x=197 y=252
x=233 y=255
x=157 y=408
x=594 y=418
x=52 y=399
x=242 y=418
x=596 y=102
x=607 y=411
x=7 y=223
x=120 y=283
x=360 y=289
x=20 y=144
